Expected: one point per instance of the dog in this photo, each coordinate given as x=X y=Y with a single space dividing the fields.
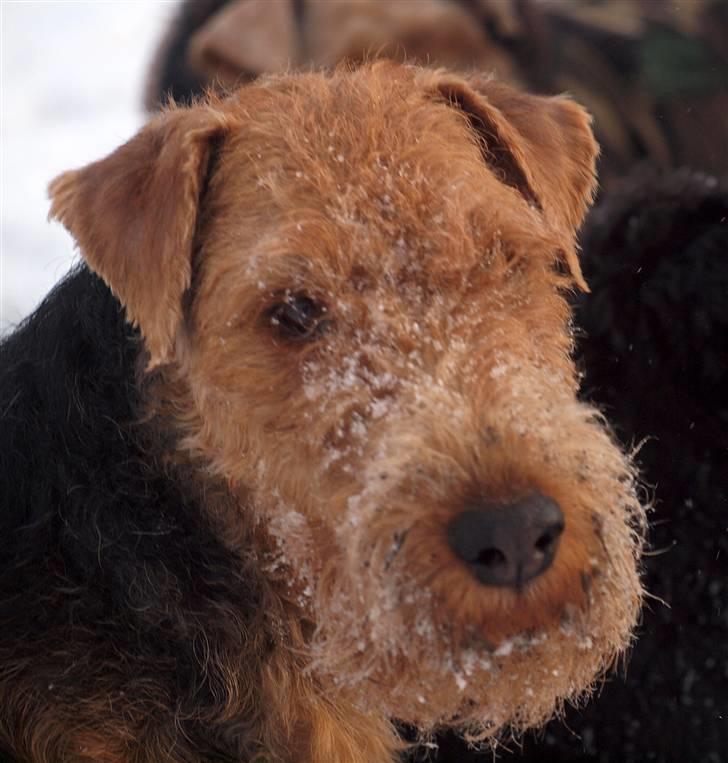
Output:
x=298 y=451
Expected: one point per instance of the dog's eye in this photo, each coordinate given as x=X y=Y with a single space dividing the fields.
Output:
x=299 y=318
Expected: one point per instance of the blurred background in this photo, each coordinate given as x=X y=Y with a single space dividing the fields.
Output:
x=71 y=85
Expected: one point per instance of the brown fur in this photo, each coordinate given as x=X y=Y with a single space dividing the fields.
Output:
x=432 y=216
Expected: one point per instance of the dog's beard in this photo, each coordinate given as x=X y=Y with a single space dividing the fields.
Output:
x=395 y=651
x=386 y=638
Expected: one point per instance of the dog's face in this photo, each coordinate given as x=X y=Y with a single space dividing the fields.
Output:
x=377 y=347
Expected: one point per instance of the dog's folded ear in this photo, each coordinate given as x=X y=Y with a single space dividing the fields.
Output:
x=245 y=38
x=133 y=215
x=543 y=147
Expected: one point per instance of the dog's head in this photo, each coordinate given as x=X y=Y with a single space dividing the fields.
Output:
x=360 y=278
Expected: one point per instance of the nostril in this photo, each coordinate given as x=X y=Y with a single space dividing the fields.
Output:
x=491 y=557
x=543 y=544
x=546 y=541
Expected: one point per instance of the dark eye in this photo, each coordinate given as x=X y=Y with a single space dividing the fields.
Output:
x=299 y=318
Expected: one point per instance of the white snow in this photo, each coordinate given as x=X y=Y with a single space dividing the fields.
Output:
x=504 y=649
x=71 y=84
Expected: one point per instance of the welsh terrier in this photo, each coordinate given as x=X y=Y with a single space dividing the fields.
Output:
x=333 y=472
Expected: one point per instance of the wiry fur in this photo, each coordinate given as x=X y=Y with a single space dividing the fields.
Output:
x=262 y=565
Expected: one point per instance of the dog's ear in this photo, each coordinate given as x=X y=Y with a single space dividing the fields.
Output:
x=249 y=37
x=544 y=147
x=133 y=215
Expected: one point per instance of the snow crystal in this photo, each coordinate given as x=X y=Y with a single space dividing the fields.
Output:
x=469 y=661
x=353 y=503
x=379 y=408
x=504 y=649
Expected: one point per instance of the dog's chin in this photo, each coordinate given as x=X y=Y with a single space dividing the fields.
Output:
x=473 y=690
x=410 y=665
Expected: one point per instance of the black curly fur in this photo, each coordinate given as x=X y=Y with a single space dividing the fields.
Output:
x=104 y=552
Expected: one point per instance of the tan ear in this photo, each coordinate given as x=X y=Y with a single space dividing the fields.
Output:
x=245 y=36
x=133 y=216
x=542 y=146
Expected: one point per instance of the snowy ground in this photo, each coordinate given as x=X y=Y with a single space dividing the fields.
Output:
x=71 y=86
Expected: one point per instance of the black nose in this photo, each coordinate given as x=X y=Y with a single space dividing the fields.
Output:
x=508 y=545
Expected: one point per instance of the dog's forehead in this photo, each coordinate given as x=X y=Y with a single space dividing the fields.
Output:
x=369 y=177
